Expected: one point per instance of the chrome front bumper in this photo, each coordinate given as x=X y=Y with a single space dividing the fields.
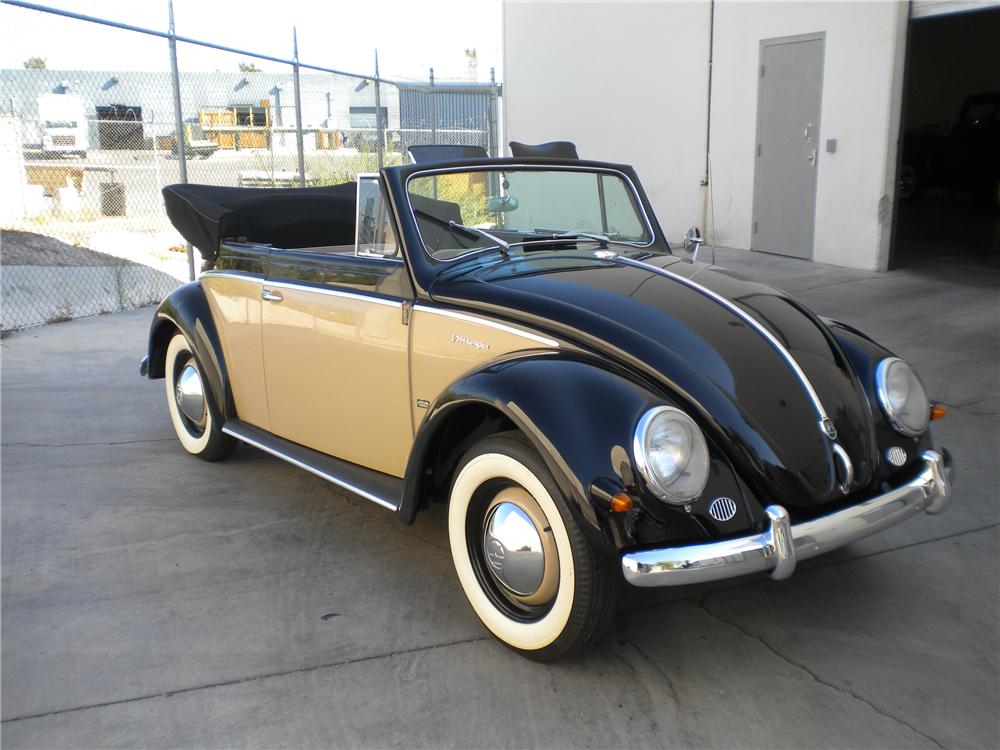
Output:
x=779 y=548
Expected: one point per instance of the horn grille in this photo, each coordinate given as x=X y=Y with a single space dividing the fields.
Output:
x=896 y=455
x=722 y=508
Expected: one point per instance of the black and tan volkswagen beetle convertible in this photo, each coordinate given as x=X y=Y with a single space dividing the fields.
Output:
x=515 y=338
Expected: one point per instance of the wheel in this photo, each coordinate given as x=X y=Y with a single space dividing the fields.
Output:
x=531 y=576
x=188 y=403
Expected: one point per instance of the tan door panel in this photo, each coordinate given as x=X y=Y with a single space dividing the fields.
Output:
x=337 y=377
x=236 y=307
x=447 y=344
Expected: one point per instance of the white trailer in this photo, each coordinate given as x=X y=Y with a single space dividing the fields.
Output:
x=62 y=124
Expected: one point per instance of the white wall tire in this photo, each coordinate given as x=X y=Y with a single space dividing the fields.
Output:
x=585 y=594
x=206 y=441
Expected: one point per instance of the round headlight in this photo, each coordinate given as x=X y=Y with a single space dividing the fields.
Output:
x=902 y=396
x=671 y=454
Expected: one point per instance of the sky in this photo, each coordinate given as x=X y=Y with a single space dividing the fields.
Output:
x=411 y=37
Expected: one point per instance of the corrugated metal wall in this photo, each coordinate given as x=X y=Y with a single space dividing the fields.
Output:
x=460 y=114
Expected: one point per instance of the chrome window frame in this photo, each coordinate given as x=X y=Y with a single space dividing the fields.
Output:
x=533 y=168
x=377 y=178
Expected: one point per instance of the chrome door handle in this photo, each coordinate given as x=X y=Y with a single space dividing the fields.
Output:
x=270 y=296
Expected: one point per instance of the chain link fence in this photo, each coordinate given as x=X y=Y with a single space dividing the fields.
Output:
x=84 y=155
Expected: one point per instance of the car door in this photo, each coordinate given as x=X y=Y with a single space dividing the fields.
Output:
x=233 y=291
x=335 y=345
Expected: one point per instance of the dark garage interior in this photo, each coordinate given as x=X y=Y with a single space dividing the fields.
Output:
x=948 y=196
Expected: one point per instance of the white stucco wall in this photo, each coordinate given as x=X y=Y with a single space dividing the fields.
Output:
x=853 y=185
x=628 y=82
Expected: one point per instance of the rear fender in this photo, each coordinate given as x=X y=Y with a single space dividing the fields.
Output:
x=186 y=309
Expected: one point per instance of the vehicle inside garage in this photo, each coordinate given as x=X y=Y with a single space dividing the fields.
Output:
x=948 y=195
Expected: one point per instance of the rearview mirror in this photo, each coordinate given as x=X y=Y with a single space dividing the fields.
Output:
x=692 y=243
x=501 y=204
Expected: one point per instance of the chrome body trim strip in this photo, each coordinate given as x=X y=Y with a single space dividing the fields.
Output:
x=232 y=275
x=740 y=313
x=229 y=430
x=489 y=323
x=846 y=465
x=777 y=549
x=360 y=296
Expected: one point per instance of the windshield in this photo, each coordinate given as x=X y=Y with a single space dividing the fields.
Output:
x=522 y=205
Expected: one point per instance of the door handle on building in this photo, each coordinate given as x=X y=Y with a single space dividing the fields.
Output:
x=812 y=158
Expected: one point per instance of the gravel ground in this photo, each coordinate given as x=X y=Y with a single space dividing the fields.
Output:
x=19 y=248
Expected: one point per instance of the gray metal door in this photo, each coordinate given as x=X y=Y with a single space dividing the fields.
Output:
x=788 y=108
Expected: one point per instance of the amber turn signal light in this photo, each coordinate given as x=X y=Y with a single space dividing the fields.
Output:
x=621 y=502
x=938 y=411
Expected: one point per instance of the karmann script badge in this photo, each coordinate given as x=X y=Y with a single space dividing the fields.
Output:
x=459 y=339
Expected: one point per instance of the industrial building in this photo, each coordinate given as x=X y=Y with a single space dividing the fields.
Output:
x=858 y=134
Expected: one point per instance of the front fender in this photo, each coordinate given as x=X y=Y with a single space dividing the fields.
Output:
x=865 y=354
x=186 y=309
x=580 y=415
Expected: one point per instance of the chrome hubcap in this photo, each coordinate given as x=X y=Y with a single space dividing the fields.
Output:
x=519 y=549
x=190 y=394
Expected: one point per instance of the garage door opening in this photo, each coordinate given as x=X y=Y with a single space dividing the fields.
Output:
x=948 y=196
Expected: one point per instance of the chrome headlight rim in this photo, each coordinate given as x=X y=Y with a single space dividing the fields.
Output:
x=882 y=391
x=653 y=482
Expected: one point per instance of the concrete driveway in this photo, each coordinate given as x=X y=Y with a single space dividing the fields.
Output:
x=153 y=600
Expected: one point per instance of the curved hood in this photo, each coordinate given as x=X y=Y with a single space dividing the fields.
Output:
x=764 y=410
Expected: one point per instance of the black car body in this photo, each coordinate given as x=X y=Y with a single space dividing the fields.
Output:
x=662 y=422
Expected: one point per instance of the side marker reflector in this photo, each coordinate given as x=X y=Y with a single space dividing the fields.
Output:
x=621 y=502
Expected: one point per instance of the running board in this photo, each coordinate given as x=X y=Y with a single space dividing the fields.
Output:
x=381 y=489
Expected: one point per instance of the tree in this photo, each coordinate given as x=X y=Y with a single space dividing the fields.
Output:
x=472 y=60
x=249 y=68
x=35 y=63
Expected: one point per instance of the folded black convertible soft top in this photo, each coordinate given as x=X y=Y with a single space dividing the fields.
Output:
x=205 y=215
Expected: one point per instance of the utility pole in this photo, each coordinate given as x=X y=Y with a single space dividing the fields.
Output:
x=434 y=111
x=378 y=114
x=298 y=108
x=175 y=77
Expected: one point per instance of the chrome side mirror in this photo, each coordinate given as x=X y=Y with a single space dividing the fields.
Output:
x=692 y=243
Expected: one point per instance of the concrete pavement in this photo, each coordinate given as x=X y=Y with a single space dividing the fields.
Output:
x=150 y=599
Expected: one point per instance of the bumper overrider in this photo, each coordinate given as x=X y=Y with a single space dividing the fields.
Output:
x=783 y=544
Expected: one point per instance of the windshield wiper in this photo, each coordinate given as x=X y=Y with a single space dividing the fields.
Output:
x=442 y=222
x=503 y=245
x=539 y=239
x=601 y=238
